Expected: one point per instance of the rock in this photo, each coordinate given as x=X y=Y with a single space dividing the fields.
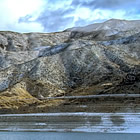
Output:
x=73 y=62
x=54 y=50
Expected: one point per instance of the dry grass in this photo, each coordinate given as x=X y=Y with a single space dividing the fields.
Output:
x=15 y=98
x=51 y=103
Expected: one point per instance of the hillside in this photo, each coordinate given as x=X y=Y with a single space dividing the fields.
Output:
x=98 y=59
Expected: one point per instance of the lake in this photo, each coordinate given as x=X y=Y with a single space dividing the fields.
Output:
x=65 y=136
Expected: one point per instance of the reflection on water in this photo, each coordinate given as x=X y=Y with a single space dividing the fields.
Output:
x=65 y=136
x=117 y=120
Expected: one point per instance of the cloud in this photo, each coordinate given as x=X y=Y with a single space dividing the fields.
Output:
x=84 y=12
x=57 y=15
x=12 y=10
x=113 y=4
x=106 y=4
x=55 y=20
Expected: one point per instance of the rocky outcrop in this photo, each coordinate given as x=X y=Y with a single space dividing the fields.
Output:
x=98 y=59
x=12 y=41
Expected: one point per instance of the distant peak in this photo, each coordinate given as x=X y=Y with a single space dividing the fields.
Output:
x=111 y=24
x=115 y=20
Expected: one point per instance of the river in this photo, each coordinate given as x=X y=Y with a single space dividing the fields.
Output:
x=65 y=136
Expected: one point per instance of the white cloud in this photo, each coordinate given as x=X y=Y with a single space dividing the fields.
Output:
x=12 y=10
x=83 y=13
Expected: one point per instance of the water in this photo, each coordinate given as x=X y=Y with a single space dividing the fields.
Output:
x=65 y=136
x=71 y=122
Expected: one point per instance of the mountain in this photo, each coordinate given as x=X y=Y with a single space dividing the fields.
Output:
x=98 y=59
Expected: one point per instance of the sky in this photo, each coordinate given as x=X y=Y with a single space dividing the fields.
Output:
x=58 y=15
